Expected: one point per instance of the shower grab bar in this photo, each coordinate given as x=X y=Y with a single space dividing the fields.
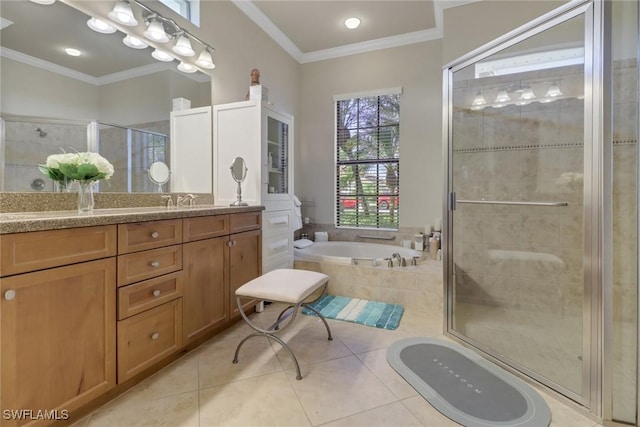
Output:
x=499 y=202
x=368 y=236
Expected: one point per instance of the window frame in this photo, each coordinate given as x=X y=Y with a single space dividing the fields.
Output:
x=367 y=162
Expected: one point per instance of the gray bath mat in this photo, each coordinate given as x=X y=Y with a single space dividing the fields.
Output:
x=465 y=387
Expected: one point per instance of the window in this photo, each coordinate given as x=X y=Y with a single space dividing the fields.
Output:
x=368 y=160
x=190 y=9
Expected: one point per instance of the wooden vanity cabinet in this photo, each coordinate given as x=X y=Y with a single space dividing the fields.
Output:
x=220 y=256
x=57 y=325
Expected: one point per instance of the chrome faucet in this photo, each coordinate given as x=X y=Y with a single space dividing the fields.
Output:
x=186 y=200
x=168 y=199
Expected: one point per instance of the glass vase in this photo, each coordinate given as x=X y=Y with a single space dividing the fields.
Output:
x=85 y=196
x=62 y=186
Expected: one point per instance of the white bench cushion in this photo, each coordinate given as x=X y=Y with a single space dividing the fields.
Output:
x=283 y=285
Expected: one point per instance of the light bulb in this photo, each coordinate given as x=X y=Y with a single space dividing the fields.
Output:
x=123 y=14
x=526 y=97
x=100 y=26
x=134 y=42
x=183 y=46
x=205 y=61
x=161 y=55
x=553 y=92
x=186 y=68
x=352 y=23
x=503 y=97
x=155 y=31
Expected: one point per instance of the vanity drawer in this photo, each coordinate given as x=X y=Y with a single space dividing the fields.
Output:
x=245 y=221
x=23 y=252
x=145 y=265
x=205 y=227
x=148 y=337
x=276 y=222
x=134 y=299
x=148 y=235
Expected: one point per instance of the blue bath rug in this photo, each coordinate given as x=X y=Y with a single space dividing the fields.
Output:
x=368 y=313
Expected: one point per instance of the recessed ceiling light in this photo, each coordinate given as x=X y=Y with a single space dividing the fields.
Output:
x=352 y=23
x=72 y=52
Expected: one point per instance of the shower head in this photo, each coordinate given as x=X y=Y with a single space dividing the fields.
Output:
x=41 y=132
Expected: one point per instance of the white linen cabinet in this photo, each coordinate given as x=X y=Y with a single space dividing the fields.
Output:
x=263 y=136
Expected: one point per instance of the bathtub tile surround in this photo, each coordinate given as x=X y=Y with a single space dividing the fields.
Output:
x=350 y=386
x=418 y=287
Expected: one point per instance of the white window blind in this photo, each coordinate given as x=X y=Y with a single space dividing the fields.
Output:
x=368 y=159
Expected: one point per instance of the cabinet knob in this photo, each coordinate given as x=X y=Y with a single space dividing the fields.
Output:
x=10 y=295
x=230 y=243
x=155 y=264
x=155 y=336
x=155 y=235
x=156 y=293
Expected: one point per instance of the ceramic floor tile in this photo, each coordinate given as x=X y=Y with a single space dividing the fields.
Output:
x=394 y=414
x=376 y=361
x=565 y=416
x=175 y=411
x=265 y=401
x=427 y=414
x=256 y=358
x=361 y=339
x=339 y=388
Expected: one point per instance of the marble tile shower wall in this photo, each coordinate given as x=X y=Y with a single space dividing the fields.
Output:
x=521 y=257
x=25 y=149
x=530 y=258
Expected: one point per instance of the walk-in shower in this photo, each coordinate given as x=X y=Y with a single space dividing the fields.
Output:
x=541 y=232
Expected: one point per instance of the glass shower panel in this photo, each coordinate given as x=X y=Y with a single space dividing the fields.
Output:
x=517 y=144
x=625 y=209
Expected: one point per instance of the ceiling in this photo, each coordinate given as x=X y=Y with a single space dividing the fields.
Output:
x=309 y=30
x=313 y=30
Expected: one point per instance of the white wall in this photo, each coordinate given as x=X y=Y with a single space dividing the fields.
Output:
x=417 y=69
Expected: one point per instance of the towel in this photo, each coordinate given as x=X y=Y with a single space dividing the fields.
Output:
x=297 y=214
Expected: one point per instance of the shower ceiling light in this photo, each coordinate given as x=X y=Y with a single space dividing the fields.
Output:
x=100 y=26
x=186 y=67
x=155 y=31
x=502 y=97
x=72 y=52
x=134 y=42
x=478 y=102
x=205 y=61
x=123 y=14
x=47 y=2
x=161 y=55
x=352 y=23
x=183 y=46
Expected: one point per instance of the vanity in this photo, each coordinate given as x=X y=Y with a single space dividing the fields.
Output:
x=93 y=304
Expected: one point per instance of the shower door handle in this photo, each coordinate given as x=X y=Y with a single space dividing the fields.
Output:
x=500 y=202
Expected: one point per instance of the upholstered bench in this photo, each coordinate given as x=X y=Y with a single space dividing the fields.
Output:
x=292 y=287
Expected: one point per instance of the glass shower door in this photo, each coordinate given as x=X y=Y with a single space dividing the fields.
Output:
x=516 y=287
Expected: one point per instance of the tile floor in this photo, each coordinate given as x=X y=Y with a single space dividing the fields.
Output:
x=347 y=382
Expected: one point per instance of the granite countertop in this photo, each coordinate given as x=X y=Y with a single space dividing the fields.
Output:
x=20 y=222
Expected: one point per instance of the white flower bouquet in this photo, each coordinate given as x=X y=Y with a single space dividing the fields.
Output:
x=81 y=167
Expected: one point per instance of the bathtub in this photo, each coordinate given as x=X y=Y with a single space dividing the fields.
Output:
x=355 y=253
x=359 y=270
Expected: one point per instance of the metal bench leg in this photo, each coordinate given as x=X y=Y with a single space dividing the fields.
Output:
x=326 y=325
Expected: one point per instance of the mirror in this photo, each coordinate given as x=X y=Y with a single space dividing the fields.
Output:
x=159 y=174
x=111 y=99
x=239 y=173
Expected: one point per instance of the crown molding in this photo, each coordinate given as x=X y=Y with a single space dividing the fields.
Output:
x=97 y=81
x=372 y=45
x=262 y=21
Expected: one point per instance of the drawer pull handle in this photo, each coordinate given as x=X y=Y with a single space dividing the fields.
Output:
x=10 y=295
x=155 y=264
x=155 y=336
x=155 y=235
x=281 y=220
x=156 y=293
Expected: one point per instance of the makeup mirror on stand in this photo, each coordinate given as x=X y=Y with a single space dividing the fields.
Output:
x=159 y=174
x=239 y=173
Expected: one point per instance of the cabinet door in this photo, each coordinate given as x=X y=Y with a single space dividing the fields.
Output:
x=277 y=135
x=245 y=264
x=206 y=294
x=58 y=336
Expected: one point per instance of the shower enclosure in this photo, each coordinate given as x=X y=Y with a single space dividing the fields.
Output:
x=541 y=199
x=25 y=143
